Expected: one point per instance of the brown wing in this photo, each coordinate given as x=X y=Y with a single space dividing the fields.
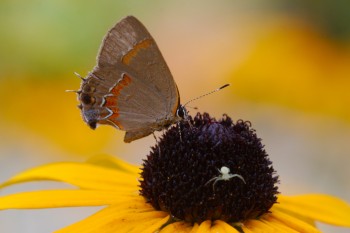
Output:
x=133 y=88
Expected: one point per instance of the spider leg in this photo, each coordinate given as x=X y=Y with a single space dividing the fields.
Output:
x=211 y=180
x=217 y=179
x=239 y=176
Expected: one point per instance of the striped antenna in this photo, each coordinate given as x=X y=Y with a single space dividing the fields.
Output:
x=217 y=89
x=75 y=91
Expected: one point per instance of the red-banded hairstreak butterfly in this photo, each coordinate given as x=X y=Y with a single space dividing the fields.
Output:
x=131 y=87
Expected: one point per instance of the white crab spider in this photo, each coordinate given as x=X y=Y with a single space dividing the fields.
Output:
x=225 y=175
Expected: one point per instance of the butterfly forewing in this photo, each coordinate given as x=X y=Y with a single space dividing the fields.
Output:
x=131 y=86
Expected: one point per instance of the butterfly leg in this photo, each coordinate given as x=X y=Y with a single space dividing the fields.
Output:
x=189 y=123
x=179 y=126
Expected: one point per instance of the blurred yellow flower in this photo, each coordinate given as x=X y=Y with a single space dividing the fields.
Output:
x=107 y=181
x=296 y=66
x=45 y=109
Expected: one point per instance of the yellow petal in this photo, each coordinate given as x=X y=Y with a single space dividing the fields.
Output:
x=217 y=229
x=320 y=207
x=131 y=223
x=178 y=227
x=257 y=226
x=109 y=161
x=101 y=217
x=247 y=230
x=279 y=227
x=135 y=217
x=62 y=198
x=153 y=227
x=85 y=176
x=195 y=228
x=292 y=222
x=204 y=227
x=225 y=226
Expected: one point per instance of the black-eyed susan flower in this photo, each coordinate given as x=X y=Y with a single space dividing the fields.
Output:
x=203 y=176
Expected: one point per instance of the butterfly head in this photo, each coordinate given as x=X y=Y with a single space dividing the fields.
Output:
x=89 y=102
x=182 y=112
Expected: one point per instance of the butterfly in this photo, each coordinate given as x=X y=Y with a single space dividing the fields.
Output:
x=131 y=87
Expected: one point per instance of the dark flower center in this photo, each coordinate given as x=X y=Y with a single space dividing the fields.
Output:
x=210 y=169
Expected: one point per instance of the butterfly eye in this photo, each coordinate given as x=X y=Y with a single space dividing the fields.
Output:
x=87 y=99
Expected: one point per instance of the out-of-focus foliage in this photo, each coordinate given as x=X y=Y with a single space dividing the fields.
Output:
x=330 y=17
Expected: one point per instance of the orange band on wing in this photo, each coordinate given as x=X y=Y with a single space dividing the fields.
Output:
x=111 y=102
x=133 y=52
x=125 y=81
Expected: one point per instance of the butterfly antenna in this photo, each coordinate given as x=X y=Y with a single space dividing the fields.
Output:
x=196 y=108
x=209 y=93
x=75 y=91
x=79 y=76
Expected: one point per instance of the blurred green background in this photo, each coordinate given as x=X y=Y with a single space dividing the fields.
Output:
x=288 y=63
